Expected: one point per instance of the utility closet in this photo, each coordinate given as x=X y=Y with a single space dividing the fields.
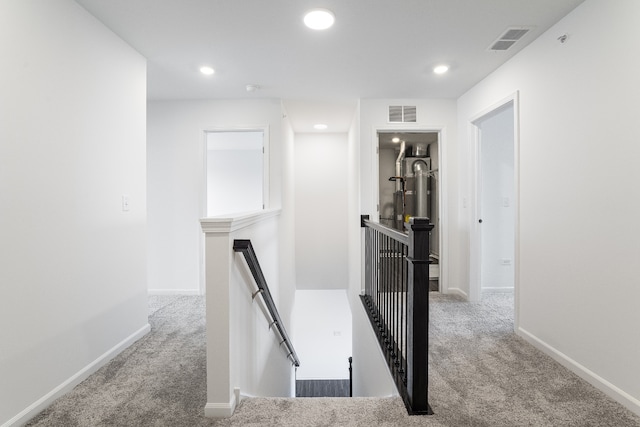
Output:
x=409 y=182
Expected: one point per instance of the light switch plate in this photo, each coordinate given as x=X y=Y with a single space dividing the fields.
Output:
x=125 y=203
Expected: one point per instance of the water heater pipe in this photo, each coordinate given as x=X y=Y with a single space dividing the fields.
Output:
x=399 y=171
x=421 y=173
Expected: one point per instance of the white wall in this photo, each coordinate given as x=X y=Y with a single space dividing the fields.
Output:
x=578 y=156
x=72 y=142
x=371 y=375
x=287 y=270
x=321 y=180
x=497 y=200
x=322 y=334
x=432 y=114
x=354 y=239
x=176 y=180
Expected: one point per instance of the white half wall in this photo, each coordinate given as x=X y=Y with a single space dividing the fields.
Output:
x=579 y=204
x=176 y=180
x=72 y=144
x=243 y=350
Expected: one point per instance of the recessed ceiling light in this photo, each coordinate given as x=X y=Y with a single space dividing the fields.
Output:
x=319 y=19
x=320 y=126
x=206 y=70
x=441 y=69
x=395 y=139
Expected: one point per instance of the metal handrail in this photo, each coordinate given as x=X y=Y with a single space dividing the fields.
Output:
x=387 y=231
x=246 y=248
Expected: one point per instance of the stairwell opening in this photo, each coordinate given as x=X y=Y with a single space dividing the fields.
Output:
x=322 y=332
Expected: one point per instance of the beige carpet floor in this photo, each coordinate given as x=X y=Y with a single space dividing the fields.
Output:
x=481 y=374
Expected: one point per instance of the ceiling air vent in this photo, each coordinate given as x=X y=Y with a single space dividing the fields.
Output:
x=508 y=39
x=402 y=114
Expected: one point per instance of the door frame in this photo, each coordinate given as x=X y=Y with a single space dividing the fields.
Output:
x=475 y=166
x=443 y=203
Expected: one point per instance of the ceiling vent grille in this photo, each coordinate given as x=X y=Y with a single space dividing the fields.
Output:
x=509 y=38
x=402 y=114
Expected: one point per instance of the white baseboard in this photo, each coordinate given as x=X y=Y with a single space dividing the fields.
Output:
x=458 y=291
x=68 y=385
x=222 y=410
x=174 y=292
x=241 y=396
x=497 y=289
x=591 y=377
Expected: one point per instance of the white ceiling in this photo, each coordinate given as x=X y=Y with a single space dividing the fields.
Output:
x=376 y=49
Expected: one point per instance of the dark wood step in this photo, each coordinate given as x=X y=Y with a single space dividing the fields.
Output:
x=322 y=388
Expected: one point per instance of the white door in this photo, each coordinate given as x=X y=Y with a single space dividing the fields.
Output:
x=497 y=201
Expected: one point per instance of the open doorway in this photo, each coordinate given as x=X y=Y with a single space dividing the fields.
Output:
x=409 y=185
x=235 y=168
x=494 y=257
x=496 y=201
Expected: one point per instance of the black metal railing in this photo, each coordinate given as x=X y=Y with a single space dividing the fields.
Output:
x=396 y=299
x=246 y=248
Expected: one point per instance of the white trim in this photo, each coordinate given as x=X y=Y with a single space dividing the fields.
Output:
x=174 y=292
x=475 y=237
x=221 y=410
x=586 y=374
x=241 y=396
x=457 y=291
x=65 y=387
x=497 y=289
x=234 y=222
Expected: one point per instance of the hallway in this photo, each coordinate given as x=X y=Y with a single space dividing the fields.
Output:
x=481 y=374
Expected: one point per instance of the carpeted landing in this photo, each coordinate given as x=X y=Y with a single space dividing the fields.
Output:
x=481 y=374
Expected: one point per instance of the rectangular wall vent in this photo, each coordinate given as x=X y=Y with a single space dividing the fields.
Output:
x=395 y=113
x=509 y=38
x=409 y=114
x=402 y=114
